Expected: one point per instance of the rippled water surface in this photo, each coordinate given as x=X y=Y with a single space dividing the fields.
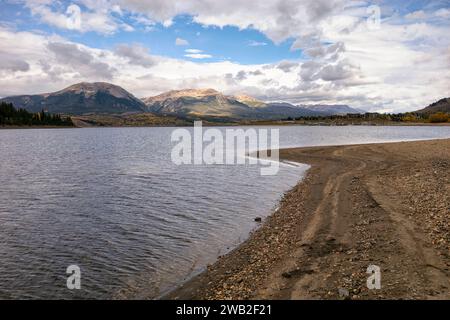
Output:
x=110 y=201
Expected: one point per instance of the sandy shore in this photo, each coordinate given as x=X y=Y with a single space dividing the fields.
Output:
x=381 y=204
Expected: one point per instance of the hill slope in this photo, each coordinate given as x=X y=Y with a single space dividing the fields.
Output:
x=442 y=105
x=338 y=109
x=81 y=98
x=197 y=102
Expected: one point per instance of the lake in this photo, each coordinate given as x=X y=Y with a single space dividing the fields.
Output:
x=111 y=201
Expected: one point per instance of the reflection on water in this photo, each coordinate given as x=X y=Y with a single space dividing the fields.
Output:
x=111 y=201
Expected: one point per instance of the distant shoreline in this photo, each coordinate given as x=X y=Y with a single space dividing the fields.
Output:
x=234 y=125
x=358 y=205
x=38 y=127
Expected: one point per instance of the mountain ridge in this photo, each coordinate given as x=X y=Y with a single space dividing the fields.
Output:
x=210 y=102
x=442 y=105
x=335 y=109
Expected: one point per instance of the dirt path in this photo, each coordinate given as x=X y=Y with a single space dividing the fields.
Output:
x=383 y=204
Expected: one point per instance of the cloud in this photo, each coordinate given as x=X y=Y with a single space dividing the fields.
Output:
x=167 y=23
x=241 y=75
x=198 y=55
x=193 y=51
x=79 y=60
x=443 y=13
x=136 y=54
x=98 y=16
x=277 y=19
x=331 y=52
x=287 y=66
x=335 y=72
x=143 y=23
x=11 y=63
x=256 y=73
x=253 y=43
x=309 y=70
x=419 y=14
x=181 y=42
x=127 y=27
x=422 y=15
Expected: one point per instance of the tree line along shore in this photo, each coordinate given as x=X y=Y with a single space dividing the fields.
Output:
x=10 y=116
x=375 y=117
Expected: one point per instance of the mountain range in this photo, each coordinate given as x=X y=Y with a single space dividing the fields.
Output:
x=105 y=98
x=201 y=103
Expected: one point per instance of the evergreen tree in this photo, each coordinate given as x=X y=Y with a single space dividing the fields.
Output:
x=21 y=117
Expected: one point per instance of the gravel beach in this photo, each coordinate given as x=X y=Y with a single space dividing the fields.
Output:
x=376 y=204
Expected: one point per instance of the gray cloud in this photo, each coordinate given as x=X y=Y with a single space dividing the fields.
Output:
x=255 y=73
x=328 y=71
x=269 y=82
x=80 y=61
x=332 y=51
x=335 y=72
x=287 y=66
x=319 y=9
x=309 y=70
x=52 y=71
x=242 y=75
x=136 y=54
x=11 y=63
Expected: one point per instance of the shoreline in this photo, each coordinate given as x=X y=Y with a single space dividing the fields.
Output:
x=383 y=203
x=212 y=125
x=37 y=127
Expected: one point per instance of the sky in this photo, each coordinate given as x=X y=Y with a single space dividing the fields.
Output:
x=386 y=56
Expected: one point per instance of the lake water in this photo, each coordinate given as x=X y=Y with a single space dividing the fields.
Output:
x=111 y=201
